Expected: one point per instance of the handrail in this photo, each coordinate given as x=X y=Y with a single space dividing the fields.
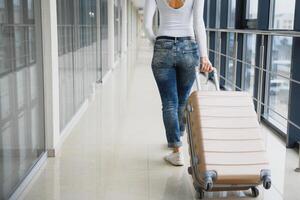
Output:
x=258 y=32
x=263 y=104
x=256 y=67
x=260 y=68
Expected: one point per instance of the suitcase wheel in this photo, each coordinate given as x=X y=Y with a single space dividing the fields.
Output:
x=255 y=192
x=200 y=194
x=208 y=185
x=267 y=182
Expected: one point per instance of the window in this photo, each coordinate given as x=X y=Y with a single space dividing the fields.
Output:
x=278 y=86
x=283 y=15
x=4 y=38
x=218 y=13
x=230 y=71
x=79 y=48
x=3 y=13
x=231 y=13
x=22 y=131
x=249 y=54
x=207 y=12
x=30 y=8
x=18 y=11
x=104 y=36
x=20 y=48
x=118 y=27
x=217 y=51
x=251 y=9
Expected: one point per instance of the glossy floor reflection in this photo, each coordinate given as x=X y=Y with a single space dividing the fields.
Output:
x=116 y=150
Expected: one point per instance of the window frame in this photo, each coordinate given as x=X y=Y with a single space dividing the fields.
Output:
x=272 y=15
x=266 y=83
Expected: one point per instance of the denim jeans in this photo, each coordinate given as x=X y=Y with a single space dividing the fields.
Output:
x=173 y=66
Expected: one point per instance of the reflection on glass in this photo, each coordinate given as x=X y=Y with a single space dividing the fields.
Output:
x=4 y=98
x=104 y=36
x=118 y=25
x=278 y=86
x=283 y=15
x=249 y=57
x=4 y=51
x=20 y=50
x=231 y=13
x=218 y=13
x=22 y=136
x=230 y=71
x=79 y=52
x=18 y=11
x=252 y=7
x=218 y=51
x=3 y=13
x=30 y=11
x=31 y=45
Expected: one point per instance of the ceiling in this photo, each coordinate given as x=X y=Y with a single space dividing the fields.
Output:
x=139 y=3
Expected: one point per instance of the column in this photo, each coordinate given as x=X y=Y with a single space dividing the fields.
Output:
x=51 y=75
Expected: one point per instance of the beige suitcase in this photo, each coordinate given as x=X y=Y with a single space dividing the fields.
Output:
x=225 y=142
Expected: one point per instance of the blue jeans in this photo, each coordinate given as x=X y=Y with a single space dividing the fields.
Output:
x=173 y=66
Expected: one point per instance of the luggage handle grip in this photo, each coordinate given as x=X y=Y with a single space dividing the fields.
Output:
x=216 y=79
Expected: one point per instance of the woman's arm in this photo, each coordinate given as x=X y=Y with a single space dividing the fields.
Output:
x=199 y=27
x=200 y=34
x=149 y=11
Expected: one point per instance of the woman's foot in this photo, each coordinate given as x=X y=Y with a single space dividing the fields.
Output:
x=175 y=158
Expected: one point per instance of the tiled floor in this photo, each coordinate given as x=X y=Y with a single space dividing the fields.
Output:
x=116 y=150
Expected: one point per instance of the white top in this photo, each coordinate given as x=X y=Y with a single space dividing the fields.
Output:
x=181 y=22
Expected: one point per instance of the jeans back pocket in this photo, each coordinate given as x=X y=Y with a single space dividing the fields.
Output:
x=163 y=45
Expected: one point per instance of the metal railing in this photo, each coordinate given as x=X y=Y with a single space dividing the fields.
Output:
x=260 y=68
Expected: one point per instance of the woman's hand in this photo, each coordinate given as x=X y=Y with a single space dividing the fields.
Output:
x=205 y=65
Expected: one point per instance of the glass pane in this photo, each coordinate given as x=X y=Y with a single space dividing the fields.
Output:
x=252 y=7
x=117 y=25
x=231 y=13
x=120 y=27
x=283 y=16
x=30 y=9
x=230 y=72
x=3 y=12
x=116 y=28
x=218 y=51
x=218 y=13
x=79 y=47
x=278 y=86
x=104 y=37
x=20 y=47
x=249 y=57
x=5 y=31
x=18 y=11
x=22 y=134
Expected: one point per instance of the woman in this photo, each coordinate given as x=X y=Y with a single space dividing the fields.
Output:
x=179 y=47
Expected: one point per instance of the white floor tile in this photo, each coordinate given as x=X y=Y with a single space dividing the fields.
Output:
x=116 y=150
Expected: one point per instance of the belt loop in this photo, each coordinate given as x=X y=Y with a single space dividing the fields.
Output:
x=175 y=39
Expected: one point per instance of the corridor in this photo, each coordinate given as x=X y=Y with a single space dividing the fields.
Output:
x=115 y=151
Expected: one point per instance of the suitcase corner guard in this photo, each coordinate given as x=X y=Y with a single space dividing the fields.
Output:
x=209 y=177
x=265 y=176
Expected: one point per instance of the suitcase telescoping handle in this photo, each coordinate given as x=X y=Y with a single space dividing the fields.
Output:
x=215 y=77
